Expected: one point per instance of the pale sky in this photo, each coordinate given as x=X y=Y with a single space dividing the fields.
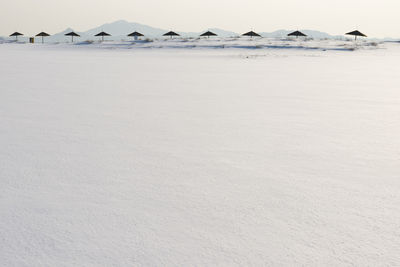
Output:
x=374 y=18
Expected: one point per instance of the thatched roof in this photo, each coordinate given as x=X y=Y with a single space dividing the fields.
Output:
x=16 y=34
x=103 y=34
x=72 y=34
x=208 y=33
x=251 y=33
x=297 y=34
x=43 y=34
x=171 y=33
x=356 y=33
x=135 y=34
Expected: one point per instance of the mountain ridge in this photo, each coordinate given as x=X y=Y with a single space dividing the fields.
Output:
x=121 y=28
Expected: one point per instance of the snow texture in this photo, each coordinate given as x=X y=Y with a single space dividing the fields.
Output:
x=199 y=157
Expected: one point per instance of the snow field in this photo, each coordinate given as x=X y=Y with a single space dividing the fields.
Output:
x=277 y=157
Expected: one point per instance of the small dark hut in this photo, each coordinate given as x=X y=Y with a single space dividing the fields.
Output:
x=102 y=34
x=208 y=34
x=355 y=34
x=16 y=34
x=170 y=34
x=42 y=34
x=135 y=34
x=72 y=34
x=251 y=34
x=297 y=34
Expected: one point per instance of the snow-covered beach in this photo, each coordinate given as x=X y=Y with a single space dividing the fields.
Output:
x=177 y=154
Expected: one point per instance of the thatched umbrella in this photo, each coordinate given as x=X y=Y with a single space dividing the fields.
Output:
x=297 y=34
x=251 y=34
x=208 y=34
x=72 y=34
x=135 y=35
x=170 y=34
x=356 y=33
x=102 y=34
x=16 y=34
x=43 y=34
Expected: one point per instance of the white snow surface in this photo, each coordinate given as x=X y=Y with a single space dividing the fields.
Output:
x=213 y=43
x=199 y=157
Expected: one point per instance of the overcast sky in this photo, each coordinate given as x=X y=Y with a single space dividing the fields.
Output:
x=375 y=18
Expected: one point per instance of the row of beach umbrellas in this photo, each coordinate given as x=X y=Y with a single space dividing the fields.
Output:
x=171 y=34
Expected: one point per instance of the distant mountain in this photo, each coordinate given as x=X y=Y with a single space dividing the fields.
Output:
x=122 y=28
x=119 y=30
